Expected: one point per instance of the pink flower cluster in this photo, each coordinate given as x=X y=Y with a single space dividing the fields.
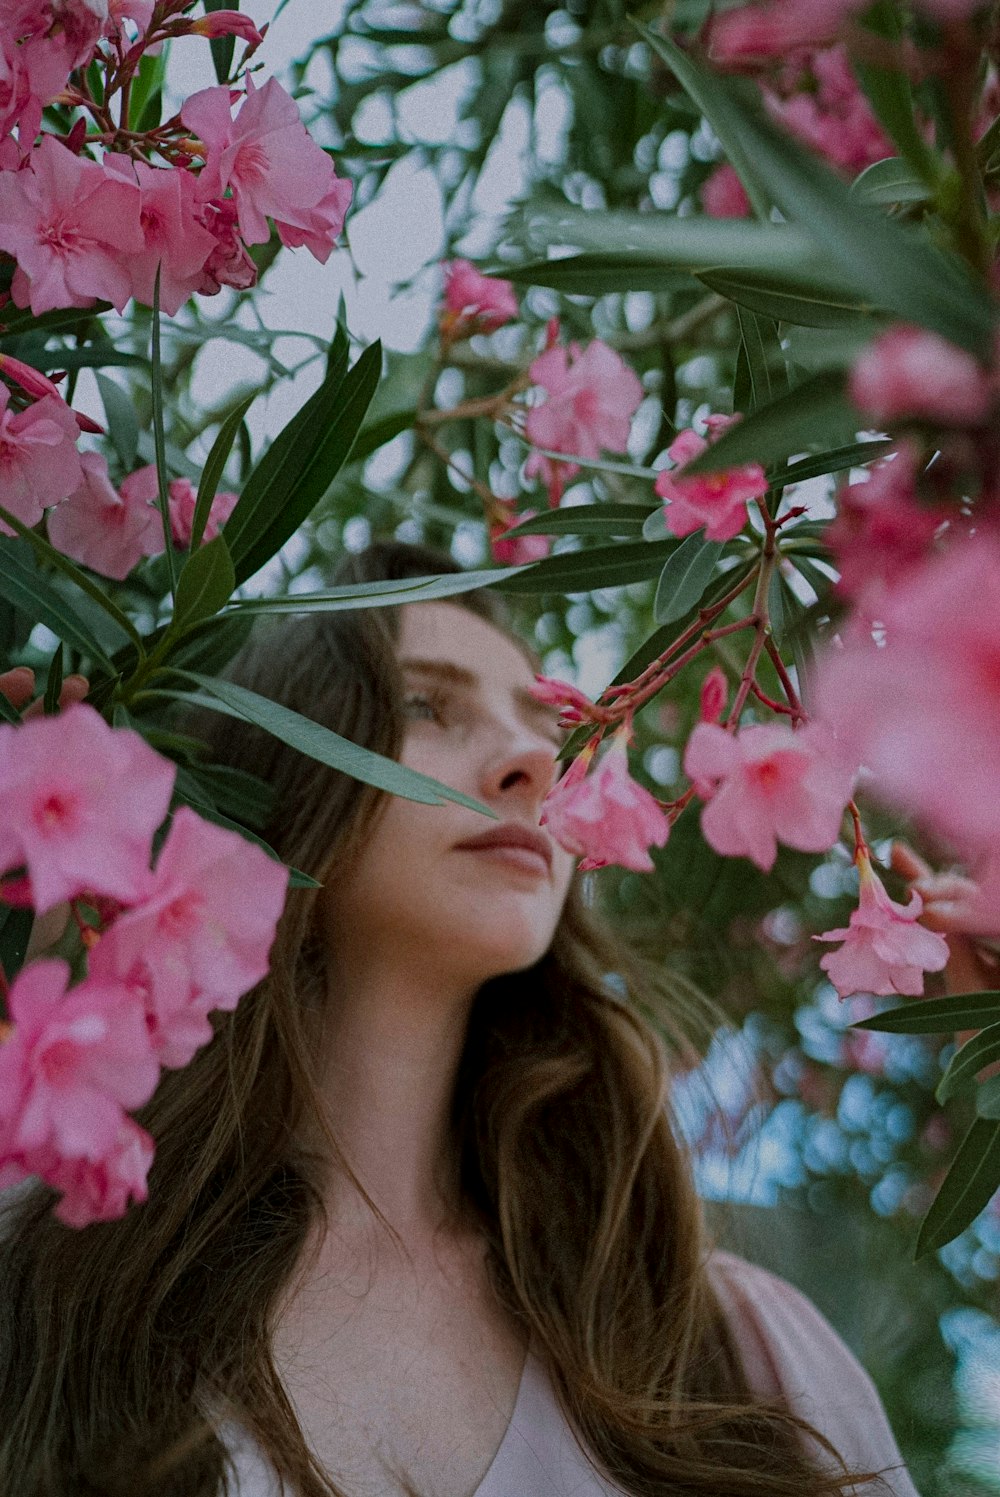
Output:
x=717 y=501
x=909 y=374
x=821 y=103
x=605 y=817
x=916 y=699
x=590 y=397
x=82 y=803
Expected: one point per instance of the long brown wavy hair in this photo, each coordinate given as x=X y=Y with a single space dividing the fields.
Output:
x=122 y=1344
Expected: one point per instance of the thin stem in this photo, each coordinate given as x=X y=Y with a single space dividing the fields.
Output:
x=158 y=439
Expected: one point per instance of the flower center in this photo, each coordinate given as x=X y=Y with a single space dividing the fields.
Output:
x=251 y=163
x=55 y=812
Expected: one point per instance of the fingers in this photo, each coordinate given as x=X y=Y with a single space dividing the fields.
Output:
x=18 y=686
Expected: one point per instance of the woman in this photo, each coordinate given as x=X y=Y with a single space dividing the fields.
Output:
x=419 y=1220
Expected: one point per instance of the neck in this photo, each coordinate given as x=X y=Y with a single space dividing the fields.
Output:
x=394 y=1050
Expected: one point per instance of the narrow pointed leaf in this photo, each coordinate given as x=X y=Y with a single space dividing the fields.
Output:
x=123 y=425
x=37 y=598
x=937 y=1015
x=323 y=745
x=205 y=585
x=890 y=181
x=968 y=1186
x=967 y=1062
x=585 y=519
x=215 y=464
x=815 y=411
x=817 y=300
x=765 y=360
x=685 y=577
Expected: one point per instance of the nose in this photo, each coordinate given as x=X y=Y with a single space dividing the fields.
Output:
x=523 y=769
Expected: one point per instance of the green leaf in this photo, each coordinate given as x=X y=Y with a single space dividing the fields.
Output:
x=375 y=434
x=147 y=82
x=708 y=92
x=629 y=251
x=36 y=597
x=988 y=1094
x=968 y=1061
x=310 y=452
x=56 y=559
x=8 y=714
x=967 y=1187
x=813 y=412
x=205 y=585
x=158 y=437
x=123 y=427
x=891 y=96
x=685 y=576
x=835 y=460
x=937 y=1015
x=215 y=464
x=15 y=932
x=585 y=519
x=765 y=360
x=222 y=47
x=378 y=594
x=323 y=745
x=236 y=793
x=53 y=683
x=596 y=567
x=810 y=300
x=814 y=349
x=890 y=181
x=898 y=268
x=776 y=592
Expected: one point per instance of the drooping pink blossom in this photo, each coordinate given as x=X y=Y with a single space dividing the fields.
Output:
x=32 y=381
x=881 y=529
x=713 y=696
x=81 y=803
x=227 y=23
x=71 y=228
x=107 y=531
x=591 y=395
x=723 y=194
x=201 y=936
x=72 y=1061
x=575 y=706
x=605 y=817
x=473 y=302
x=174 y=238
x=767 y=784
x=141 y=487
x=522 y=549
x=97 y=1190
x=39 y=461
x=751 y=34
x=271 y=164
x=717 y=501
x=885 y=950
x=918 y=702
x=908 y=372
x=229 y=262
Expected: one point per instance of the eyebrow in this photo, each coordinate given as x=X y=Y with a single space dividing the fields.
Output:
x=457 y=675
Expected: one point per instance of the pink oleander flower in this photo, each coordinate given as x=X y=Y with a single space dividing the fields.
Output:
x=269 y=161
x=201 y=936
x=174 y=238
x=100 y=1190
x=473 y=302
x=768 y=784
x=828 y=111
x=34 y=383
x=39 y=461
x=229 y=263
x=521 y=549
x=908 y=372
x=885 y=951
x=752 y=34
x=723 y=194
x=109 y=532
x=71 y=228
x=141 y=487
x=716 y=500
x=81 y=803
x=70 y=1065
x=919 y=705
x=605 y=817
x=591 y=396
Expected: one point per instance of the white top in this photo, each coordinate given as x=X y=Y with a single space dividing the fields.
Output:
x=788 y=1347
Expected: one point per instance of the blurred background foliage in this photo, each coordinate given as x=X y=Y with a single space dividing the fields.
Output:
x=819 y=1150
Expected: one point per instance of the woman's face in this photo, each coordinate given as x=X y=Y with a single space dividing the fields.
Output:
x=414 y=896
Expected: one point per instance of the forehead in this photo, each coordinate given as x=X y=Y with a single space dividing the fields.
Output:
x=446 y=631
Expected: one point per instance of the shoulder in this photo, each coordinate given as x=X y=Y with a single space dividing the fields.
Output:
x=788 y=1347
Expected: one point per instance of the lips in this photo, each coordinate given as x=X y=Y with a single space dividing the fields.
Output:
x=512 y=834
